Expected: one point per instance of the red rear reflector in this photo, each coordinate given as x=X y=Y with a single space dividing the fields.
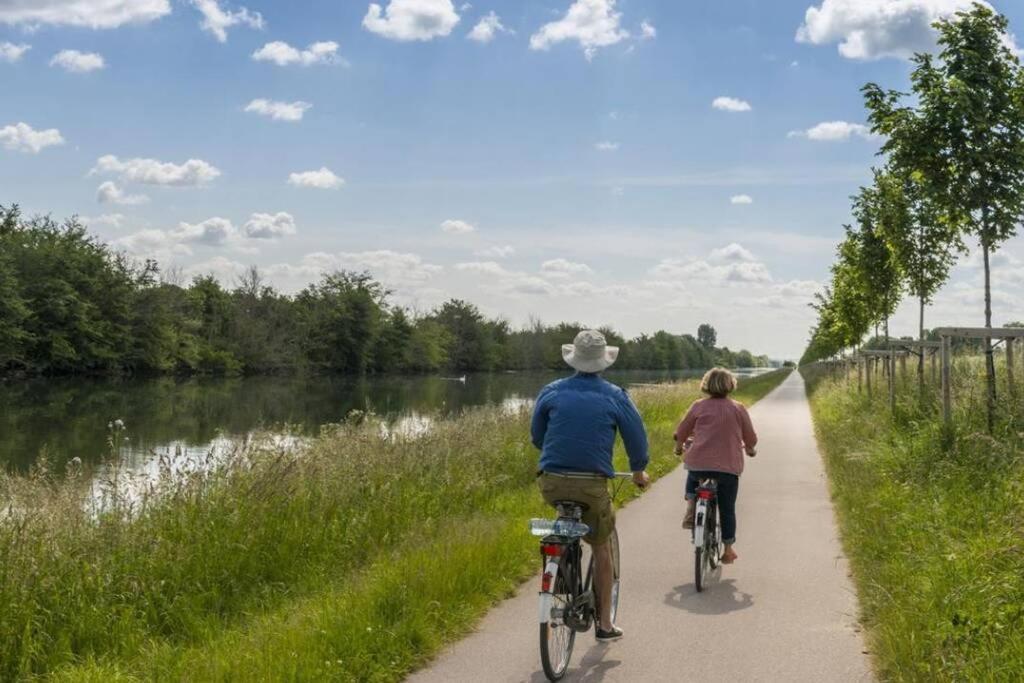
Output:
x=551 y=549
x=705 y=494
x=545 y=583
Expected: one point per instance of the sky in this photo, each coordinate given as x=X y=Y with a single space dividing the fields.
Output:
x=645 y=164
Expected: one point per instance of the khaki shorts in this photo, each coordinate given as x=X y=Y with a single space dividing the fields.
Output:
x=599 y=515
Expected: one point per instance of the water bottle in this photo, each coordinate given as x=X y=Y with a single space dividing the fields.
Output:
x=559 y=527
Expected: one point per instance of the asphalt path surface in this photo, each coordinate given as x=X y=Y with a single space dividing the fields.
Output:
x=785 y=611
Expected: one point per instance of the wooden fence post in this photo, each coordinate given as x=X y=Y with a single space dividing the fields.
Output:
x=934 y=354
x=892 y=380
x=903 y=366
x=869 y=369
x=1009 y=367
x=860 y=374
x=947 y=402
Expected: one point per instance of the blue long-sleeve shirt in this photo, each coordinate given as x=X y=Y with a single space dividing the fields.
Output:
x=574 y=424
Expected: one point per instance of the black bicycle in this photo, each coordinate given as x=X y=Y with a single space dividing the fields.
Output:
x=707 y=533
x=568 y=601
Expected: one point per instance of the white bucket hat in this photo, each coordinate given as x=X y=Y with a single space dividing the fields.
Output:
x=589 y=352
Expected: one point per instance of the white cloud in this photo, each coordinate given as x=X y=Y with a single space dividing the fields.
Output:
x=647 y=30
x=730 y=104
x=457 y=227
x=283 y=54
x=78 y=62
x=487 y=28
x=21 y=137
x=501 y=252
x=9 y=52
x=729 y=265
x=390 y=267
x=507 y=282
x=114 y=220
x=211 y=232
x=221 y=268
x=407 y=20
x=279 y=111
x=217 y=21
x=109 y=193
x=153 y=244
x=606 y=146
x=592 y=23
x=94 y=14
x=562 y=268
x=731 y=253
x=873 y=29
x=266 y=226
x=324 y=179
x=833 y=131
x=741 y=199
x=192 y=173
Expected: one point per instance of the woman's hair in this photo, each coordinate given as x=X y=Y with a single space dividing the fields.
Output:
x=718 y=382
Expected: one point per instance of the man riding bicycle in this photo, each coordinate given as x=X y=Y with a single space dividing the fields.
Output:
x=574 y=425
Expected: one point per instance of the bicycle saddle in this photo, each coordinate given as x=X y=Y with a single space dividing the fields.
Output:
x=566 y=507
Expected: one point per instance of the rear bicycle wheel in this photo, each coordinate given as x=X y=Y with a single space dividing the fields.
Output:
x=700 y=547
x=715 y=523
x=556 y=636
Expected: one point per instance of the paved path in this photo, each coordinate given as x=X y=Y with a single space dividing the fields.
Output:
x=784 y=612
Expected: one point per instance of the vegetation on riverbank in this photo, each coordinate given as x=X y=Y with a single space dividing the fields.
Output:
x=72 y=304
x=353 y=558
x=932 y=521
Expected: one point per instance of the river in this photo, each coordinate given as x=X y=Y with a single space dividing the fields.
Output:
x=65 y=419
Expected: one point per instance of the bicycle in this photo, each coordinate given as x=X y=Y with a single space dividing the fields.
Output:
x=707 y=533
x=568 y=601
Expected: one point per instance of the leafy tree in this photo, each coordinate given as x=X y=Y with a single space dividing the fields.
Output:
x=971 y=104
x=707 y=336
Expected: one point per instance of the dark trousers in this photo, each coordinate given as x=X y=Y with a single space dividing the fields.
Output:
x=728 y=488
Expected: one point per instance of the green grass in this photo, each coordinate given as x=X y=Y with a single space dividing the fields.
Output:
x=351 y=559
x=933 y=522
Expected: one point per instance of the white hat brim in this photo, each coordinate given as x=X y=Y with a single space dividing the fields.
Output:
x=611 y=353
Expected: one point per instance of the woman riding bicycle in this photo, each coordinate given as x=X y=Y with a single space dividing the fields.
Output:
x=721 y=430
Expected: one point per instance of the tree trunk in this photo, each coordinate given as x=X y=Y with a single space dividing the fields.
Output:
x=920 y=358
x=885 y=328
x=990 y=363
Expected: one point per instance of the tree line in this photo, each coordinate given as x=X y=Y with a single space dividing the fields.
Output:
x=952 y=172
x=69 y=304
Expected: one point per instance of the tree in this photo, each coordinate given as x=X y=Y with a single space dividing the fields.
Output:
x=878 y=270
x=707 y=336
x=971 y=104
x=924 y=243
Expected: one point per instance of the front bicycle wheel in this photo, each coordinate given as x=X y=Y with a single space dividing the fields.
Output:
x=556 y=636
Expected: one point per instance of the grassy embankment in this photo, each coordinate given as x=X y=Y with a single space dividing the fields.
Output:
x=933 y=521
x=353 y=559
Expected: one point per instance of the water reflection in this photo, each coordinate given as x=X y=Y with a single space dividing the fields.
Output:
x=186 y=419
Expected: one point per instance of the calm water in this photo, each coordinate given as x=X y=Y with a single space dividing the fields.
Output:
x=69 y=418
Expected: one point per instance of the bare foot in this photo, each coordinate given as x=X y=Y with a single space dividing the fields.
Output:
x=729 y=556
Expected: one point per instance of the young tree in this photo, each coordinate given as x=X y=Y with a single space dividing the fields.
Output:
x=971 y=105
x=878 y=271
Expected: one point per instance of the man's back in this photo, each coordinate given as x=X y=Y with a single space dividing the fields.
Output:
x=575 y=422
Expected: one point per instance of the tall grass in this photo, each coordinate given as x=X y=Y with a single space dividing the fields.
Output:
x=933 y=521
x=350 y=558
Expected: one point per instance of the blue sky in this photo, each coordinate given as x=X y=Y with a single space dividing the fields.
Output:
x=573 y=166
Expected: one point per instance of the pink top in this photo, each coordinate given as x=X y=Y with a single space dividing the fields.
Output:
x=720 y=428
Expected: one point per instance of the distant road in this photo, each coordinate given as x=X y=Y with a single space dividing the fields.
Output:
x=786 y=611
